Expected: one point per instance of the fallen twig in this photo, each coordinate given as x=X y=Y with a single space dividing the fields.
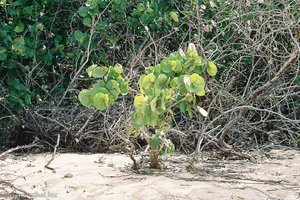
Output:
x=2 y=156
x=53 y=155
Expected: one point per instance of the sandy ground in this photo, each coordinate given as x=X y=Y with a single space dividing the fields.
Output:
x=107 y=176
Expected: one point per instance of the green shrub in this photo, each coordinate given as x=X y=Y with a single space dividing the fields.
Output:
x=174 y=82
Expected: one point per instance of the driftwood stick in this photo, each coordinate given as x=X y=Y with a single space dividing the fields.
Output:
x=2 y=155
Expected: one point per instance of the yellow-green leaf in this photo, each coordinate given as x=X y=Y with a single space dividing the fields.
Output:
x=197 y=83
x=153 y=104
x=147 y=81
x=174 y=82
x=191 y=51
x=174 y=16
x=118 y=68
x=90 y=70
x=211 y=68
x=139 y=101
x=201 y=93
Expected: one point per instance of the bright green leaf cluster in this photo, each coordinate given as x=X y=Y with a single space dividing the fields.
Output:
x=176 y=80
x=106 y=91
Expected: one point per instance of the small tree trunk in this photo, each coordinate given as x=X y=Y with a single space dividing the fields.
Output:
x=154 y=164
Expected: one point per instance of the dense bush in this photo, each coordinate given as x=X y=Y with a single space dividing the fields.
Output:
x=44 y=42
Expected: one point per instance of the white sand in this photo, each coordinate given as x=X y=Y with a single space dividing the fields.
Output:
x=82 y=177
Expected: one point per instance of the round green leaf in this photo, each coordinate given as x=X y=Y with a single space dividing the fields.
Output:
x=170 y=148
x=151 y=118
x=100 y=101
x=113 y=96
x=149 y=10
x=199 y=61
x=90 y=70
x=166 y=66
x=124 y=87
x=83 y=12
x=39 y=27
x=182 y=106
x=87 y=22
x=153 y=104
x=160 y=82
x=94 y=90
x=201 y=93
x=187 y=83
x=3 y=55
x=138 y=118
x=85 y=98
x=91 y=3
x=79 y=36
x=27 y=99
x=19 y=45
x=100 y=84
x=113 y=85
x=99 y=72
x=174 y=82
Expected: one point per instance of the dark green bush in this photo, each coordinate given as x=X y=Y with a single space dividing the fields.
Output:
x=43 y=43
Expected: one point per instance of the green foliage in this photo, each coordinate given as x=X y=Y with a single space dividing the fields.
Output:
x=34 y=43
x=42 y=41
x=157 y=15
x=110 y=84
x=175 y=81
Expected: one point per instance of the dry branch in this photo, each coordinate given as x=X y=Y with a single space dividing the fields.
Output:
x=254 y=95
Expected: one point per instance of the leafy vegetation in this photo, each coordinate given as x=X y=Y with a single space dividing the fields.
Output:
x=106 y=90
x=42 y=41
